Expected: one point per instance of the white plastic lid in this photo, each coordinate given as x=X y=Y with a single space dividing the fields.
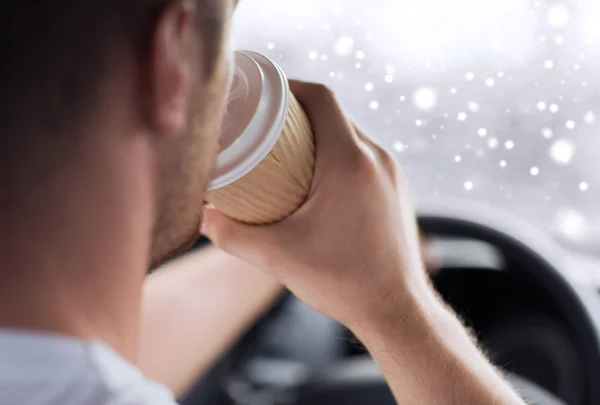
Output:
x=255 y=115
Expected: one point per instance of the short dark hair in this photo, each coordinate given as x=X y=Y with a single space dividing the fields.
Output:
x=53 y=56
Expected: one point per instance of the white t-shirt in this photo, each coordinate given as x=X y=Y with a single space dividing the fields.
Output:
x=45 y=369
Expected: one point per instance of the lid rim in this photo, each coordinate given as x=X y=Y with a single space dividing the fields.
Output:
x=279 y=99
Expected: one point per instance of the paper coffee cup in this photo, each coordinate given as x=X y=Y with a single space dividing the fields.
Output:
x=266 y=162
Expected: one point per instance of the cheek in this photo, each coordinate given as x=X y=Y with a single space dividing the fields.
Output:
x=214 y=100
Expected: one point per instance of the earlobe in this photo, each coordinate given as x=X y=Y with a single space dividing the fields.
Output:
x=172 y=67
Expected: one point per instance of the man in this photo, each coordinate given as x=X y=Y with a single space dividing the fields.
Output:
x=111 y=113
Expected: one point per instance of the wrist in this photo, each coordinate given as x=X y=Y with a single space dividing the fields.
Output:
x=426 y=353
x=411 y=311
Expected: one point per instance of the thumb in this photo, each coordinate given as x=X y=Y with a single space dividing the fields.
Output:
x=247 y=242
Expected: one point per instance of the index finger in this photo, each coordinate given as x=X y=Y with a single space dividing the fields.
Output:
x=331 y=126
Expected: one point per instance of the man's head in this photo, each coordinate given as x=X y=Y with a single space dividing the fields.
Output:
x=150 y=75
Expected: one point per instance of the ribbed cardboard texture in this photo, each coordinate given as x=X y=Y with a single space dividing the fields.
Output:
x=280 y=184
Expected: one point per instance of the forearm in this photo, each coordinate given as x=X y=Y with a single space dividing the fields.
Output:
x=429 y=358
x=194 y=308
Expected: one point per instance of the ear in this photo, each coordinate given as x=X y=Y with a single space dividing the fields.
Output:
x=174 y=66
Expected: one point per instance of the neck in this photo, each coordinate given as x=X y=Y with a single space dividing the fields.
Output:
x=74 y=257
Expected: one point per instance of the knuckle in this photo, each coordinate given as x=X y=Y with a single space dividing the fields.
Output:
x=388 y=162
x=371 y=163
x=313 y=95
x=399 y=176
x=363 y=161
x=322 y=91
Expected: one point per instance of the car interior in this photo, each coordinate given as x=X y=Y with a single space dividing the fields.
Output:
x=535 y=323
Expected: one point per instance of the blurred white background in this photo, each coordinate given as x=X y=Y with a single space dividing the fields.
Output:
x=496 y=101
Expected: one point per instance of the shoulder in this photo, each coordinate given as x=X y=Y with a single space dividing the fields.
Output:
x=147 y=393
x=41 y=369
x=122 y=383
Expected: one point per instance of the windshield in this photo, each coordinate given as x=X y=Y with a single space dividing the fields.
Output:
x=496 y=101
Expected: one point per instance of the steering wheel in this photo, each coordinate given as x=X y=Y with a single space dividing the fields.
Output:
x=248 y=378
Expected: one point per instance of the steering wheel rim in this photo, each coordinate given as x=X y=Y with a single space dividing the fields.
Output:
x=537 y=253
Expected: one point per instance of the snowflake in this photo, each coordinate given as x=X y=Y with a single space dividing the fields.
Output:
x=562 y=151
x=547 y=133
x=399 y=146
x=473 y=106
x=343 y=46
x=572 y=224
x=425 y=98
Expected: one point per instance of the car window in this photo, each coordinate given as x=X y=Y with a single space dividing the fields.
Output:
x=496 y=101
